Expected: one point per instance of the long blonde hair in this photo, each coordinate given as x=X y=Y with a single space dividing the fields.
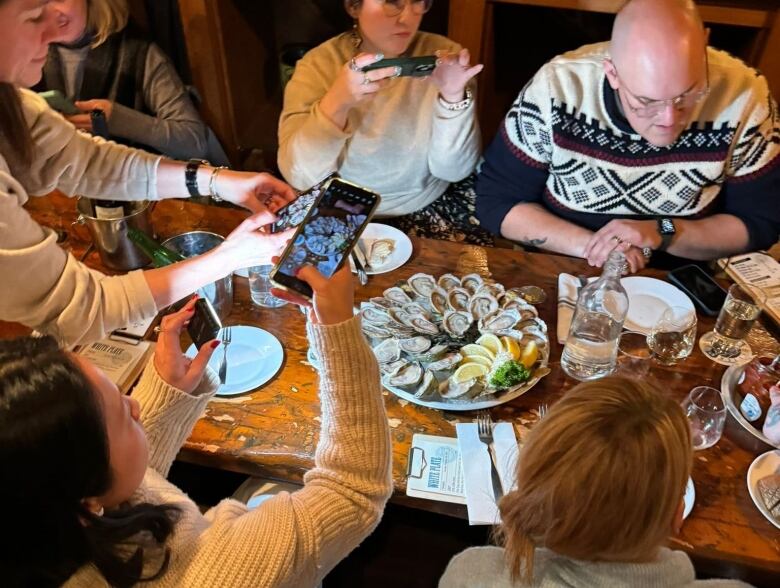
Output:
x=106 y=17
x=600 y=478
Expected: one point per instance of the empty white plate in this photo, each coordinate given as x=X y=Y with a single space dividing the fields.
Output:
x=400 y=255
x=253 y=357
x=764 y=465
x=648 y=298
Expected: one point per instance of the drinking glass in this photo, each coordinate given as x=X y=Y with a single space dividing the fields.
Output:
x=706 y=416
x=673 y=335
x=740 y=310
x=633 y=355
x=260 y=287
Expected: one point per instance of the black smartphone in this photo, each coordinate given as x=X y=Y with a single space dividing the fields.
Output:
x=204 y=324
x=59 y=102
x=416 y=67
x=327 y=235
x=705 y=292
x=99 y=123
x=293 y=214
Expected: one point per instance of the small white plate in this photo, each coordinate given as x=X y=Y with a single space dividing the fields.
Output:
x=689 y=498
x=745 y=353
x=400 y=255
x=648 y=298
x=764 y=465
x=254 y=356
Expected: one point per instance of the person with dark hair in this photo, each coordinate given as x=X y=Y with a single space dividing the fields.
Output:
x=414 y=140
x=84 y=500
x=104 y=62
x=41 y=152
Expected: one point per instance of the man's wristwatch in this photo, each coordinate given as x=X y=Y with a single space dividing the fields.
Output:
x=191 y=176
x=667 y=231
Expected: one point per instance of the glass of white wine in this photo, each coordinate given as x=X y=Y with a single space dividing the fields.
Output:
x=673 y=335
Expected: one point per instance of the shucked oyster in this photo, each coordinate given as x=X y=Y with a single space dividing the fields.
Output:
x=427 y=387
x=439 y=300
x=446 y=363
x=448 y=281
x=415 y=344
x=456 y=323
x=374 y=315
x=433 y=354
x=422 y=284
x=397 y=295
x=379 y=251
x=423 y=325
x=407 y=377
x=387 y=351
x=501 y=320
x=458 y=299
x=482 y=304
x=472 y=282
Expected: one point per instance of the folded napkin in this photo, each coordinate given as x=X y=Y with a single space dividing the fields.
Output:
x=480 y=503
x=568 y=287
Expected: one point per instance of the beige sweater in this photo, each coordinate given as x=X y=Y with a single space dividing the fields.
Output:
x=44 y=287
x=291 y=540
x=401 y=143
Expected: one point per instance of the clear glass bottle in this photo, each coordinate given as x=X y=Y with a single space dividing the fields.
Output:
x=591 y=347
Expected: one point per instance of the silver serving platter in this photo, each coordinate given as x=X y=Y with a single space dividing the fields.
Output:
x=737 y=426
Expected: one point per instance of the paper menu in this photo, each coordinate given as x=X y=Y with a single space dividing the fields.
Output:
x=758 y=269
x=121 y=362
x=435 y=469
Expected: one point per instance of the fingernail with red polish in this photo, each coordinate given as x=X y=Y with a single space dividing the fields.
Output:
x=214 y=344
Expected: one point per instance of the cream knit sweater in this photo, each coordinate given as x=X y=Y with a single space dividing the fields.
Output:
x=43 y=286
x=291 y=540
x=401 y=142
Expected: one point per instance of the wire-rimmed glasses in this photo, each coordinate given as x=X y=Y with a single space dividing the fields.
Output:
x=396 y=7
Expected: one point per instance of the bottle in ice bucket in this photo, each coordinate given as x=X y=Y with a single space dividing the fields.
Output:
x=591 y=347
x=159 y=255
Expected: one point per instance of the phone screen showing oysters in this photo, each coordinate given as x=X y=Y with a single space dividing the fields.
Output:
x=327 y=236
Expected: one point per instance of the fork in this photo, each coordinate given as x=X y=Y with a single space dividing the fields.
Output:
x=485 y=431
x=227 y=337
x=542 y=411
x=361 y=271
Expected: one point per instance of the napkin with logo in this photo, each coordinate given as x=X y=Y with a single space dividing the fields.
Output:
x=568 y=288
x=480 y=503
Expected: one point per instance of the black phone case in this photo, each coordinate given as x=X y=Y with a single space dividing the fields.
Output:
x=416 y=67
x=204 y=324
x=696 y=300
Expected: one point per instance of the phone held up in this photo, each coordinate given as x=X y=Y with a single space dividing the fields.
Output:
x=416 y=67
x=59 y=102
x=328 y=233
x=293 y=214
x=204 y=324
x=705 y=292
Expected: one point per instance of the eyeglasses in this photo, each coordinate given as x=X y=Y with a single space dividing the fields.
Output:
x=396 y=7
x=686 y=100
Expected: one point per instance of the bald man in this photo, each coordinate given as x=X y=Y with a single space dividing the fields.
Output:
x=653 y=143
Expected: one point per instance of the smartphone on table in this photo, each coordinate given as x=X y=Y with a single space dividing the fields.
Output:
x=328 y=233
x=416 y=67
x=59 y=102
x=705 y=292
x=292 y=214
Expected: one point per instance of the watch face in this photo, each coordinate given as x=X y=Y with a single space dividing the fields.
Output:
x=667 y=226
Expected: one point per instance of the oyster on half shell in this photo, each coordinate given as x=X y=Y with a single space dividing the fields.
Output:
x=458 y=299
x=407 y=377
x=415 y=345
x=456 y=323
x=422 y=284
x=387 y=351
x=482 y=304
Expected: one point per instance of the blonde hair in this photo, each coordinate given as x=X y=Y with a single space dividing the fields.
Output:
x=600 y=478
x=106 y=17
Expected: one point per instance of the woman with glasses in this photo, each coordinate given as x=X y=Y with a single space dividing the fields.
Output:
x=415 y=140
x=653 y=143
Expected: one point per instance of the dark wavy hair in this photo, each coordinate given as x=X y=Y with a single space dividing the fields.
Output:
x=54 y=453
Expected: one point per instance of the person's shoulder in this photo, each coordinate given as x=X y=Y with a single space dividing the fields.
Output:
x=727 y=72
x=336 y=50
x=477 y=566
x=583 y=60
x=33 y=106
x=428 y=43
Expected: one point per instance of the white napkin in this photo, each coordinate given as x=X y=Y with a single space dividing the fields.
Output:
x=567 y=300
x=480 y=502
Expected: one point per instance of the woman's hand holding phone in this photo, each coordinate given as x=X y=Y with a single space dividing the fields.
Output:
x=453 y=71
x=333 y=300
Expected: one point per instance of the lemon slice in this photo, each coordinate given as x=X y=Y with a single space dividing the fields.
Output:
x=477 y=359
x=530 y=354
x=468 y=371
x=491 y=342
x=473 y=349
x=511 y=346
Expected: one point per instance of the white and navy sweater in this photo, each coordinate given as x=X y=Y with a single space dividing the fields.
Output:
x=566 y=145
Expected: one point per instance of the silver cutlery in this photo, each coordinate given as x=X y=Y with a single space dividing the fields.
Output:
x=542 y=410
x=485 y=431
x=227 y=337
x=360 y=269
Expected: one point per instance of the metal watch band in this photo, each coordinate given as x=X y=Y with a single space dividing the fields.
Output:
x=462 y=105
x=191 y=175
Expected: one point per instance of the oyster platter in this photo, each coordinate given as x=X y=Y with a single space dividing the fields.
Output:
x=456 y=343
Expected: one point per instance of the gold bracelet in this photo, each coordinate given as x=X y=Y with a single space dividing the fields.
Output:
x=213 y=184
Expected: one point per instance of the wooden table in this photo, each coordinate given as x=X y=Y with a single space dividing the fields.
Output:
x=273 y=431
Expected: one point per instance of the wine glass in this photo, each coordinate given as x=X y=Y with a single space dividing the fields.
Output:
x=739 y=312
x=706 y=415
x=673 y=335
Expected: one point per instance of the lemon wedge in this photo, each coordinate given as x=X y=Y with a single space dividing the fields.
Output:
x=491 y=342
x=511 y=346
x=474 y=349
x=477 y=359
x=530 y=354
x=468 y=371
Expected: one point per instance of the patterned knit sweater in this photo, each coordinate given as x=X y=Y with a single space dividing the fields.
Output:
x=566 y=145
x=291 y=540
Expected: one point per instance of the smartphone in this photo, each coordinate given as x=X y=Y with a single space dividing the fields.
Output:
x=293 y=214
x=416 y=67
x=327 y=235
x=204 y=324
x=59 y=102
x=705 y=292
x=99 y=123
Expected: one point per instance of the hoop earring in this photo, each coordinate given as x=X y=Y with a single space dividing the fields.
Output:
x=355 y=37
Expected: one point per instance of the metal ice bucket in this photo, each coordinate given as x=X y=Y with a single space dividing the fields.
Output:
x=115 y=248
x=191 y=244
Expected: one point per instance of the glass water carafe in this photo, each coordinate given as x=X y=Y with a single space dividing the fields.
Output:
x=591 y=347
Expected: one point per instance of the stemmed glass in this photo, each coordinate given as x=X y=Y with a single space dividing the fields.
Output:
x=706 y=416
x=673 y=335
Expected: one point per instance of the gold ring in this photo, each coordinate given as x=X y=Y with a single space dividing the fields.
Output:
x=366 y=81
x=618 y=239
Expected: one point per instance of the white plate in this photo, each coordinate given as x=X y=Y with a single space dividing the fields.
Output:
x=648 y=298
x=689 y=498
x=764 y=465
x=399 y=256
x=253 y=358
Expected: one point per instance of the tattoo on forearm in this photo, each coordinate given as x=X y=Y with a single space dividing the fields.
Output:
x=533 y=242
